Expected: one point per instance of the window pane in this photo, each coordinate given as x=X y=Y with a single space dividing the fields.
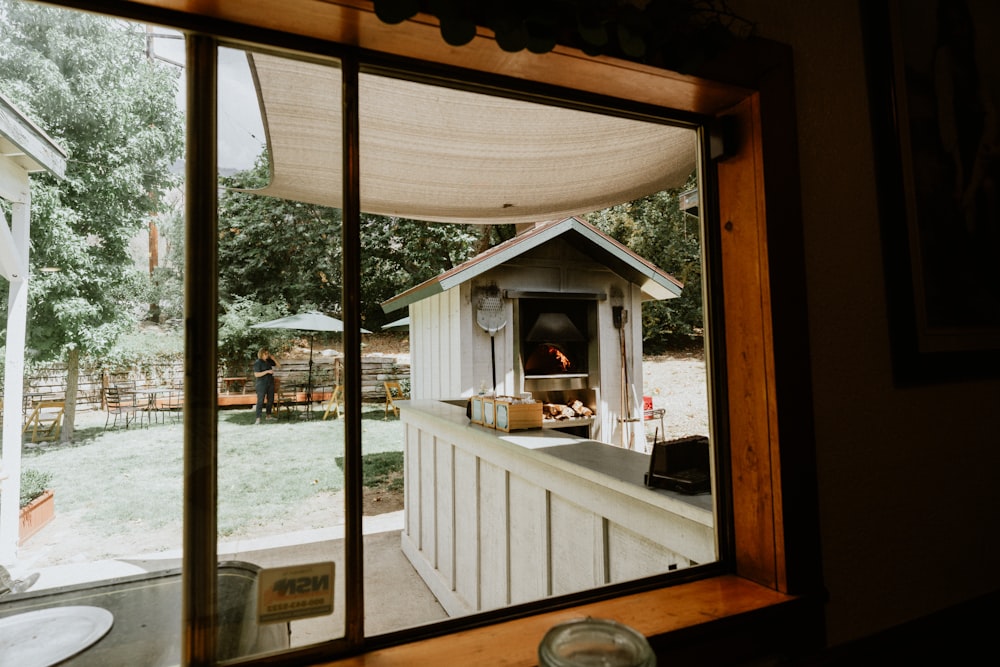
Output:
x=100 y=421
x=493 y=225
x=281 y=501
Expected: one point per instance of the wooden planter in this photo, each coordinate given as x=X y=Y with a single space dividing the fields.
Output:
x=36 y=514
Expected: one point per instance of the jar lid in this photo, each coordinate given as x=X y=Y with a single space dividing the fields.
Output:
x=594 y=642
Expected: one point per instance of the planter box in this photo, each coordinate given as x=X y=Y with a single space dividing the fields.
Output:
x=36 y=515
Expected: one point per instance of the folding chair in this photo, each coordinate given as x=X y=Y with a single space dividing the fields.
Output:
x=47 y=416
x=333 y=403
x=285 y=398
x=393 y=390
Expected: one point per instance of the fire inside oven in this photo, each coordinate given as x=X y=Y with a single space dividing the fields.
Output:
x=554 y=338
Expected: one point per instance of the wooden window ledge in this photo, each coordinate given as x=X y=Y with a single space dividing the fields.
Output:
x=695 y=616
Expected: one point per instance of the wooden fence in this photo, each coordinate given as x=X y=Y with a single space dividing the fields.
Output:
x=49 y=381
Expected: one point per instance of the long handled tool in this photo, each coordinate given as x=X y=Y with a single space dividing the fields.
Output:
x=490 y=316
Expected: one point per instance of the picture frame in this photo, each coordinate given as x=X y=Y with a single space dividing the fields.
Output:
x=932 y=88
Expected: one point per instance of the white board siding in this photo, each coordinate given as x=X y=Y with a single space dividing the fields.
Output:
x=529 y=543
x=494 y=513
x=466 y=534
x=523 y=525
x=577 y=551
x=451 y=354
x=436 y=330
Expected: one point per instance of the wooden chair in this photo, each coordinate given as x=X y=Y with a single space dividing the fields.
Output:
x=122 y=405
x=172 y=401
x=285 y=399
x=393 y=391
x=47 y=416
x=333 y=403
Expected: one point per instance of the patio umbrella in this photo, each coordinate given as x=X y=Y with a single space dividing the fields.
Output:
x=307 y=321
x=403 y=323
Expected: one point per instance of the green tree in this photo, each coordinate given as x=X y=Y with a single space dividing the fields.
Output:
x=88 y=82
x=167 y=279
x=287 y=254
x=276 y=251
x=655 y=228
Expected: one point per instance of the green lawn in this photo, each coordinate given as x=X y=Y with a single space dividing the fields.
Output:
x=108 y=479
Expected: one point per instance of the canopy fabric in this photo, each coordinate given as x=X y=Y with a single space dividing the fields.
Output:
x=402 y=323
x=307 y=321
x=446 y=155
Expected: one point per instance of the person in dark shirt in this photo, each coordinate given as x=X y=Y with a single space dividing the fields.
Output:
x=263 y=371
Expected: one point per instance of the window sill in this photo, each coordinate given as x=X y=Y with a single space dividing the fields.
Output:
x=692 y=616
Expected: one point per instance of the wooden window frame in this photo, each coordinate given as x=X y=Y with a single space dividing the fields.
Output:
x=770 y=604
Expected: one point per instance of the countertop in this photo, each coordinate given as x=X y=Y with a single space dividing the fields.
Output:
x=608 y=465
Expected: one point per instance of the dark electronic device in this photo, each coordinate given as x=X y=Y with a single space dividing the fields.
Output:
x=680 y=465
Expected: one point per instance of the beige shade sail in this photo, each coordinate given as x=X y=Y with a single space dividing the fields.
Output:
x=446 y=155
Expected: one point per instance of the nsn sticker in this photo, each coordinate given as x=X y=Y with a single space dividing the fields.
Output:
x=289 y=593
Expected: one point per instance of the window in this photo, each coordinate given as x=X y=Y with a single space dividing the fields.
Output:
x=756 y=303
x=484 y=528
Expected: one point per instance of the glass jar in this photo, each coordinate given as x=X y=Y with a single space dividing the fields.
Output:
x=594 y=642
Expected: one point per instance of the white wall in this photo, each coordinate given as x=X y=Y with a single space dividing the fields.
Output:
x=451 y=354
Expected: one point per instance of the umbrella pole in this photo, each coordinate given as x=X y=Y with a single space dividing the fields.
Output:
x=309 y=381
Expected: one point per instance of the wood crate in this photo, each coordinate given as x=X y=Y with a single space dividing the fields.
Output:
x=489 y=412
x=517 y=416
x=476 y=414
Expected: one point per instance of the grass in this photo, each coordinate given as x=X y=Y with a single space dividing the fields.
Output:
x=380 y=470
x=110 y=479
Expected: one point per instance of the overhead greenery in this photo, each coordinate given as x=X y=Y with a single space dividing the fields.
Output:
x=656 y=229
x=288 y=254
x=88 y=82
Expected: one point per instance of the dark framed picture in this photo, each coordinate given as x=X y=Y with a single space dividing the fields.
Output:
x=933 y=71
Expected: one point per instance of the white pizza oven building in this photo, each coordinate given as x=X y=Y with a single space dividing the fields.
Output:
x=567 y=325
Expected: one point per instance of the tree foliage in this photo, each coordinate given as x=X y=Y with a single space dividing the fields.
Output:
x=87 y=82
x=277 y=251
x=288 y=254
x=285 y=257
x=655 y=228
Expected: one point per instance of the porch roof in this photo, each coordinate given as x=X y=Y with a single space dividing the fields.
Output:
x=27 y=145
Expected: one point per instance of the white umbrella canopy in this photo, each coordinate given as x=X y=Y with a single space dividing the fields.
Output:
x=307 y=321
x=403 y=323
x=310 y=320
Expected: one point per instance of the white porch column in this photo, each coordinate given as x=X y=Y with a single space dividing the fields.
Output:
x=13 y=391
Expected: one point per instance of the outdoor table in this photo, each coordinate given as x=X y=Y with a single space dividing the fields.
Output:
x=153 y=396
x=229 y=383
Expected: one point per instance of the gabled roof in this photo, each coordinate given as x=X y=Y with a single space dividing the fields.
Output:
x=582 y=235
x=27 y=145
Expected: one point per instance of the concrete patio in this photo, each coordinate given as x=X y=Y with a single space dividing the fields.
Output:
x=395 y=595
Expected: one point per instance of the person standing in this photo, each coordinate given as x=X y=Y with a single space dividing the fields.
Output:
x=263 y=371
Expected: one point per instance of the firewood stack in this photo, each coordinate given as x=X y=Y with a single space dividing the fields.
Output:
x=563 y=411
